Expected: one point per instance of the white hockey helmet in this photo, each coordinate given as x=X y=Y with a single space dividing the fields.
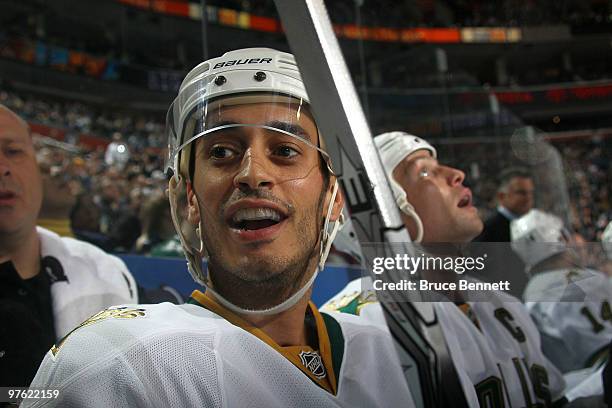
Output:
x=606 y=240
x=246 y=71
x=202 y=108
x=393 y=148
x=538 y=235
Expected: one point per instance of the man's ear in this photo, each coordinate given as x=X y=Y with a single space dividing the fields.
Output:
x=193 y=208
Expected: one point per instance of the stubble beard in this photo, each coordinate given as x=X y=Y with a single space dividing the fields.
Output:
x=266 y=282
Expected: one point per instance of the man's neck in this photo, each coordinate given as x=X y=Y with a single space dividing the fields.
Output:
x=54 y=212
x=287 y=328
x=24 y=252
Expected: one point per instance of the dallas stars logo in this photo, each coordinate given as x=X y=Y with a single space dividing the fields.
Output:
x=312 y=361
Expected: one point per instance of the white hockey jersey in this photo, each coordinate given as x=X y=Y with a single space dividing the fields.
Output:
x=84 y=279
x=169 y=355
x=499 y=362
x=572 y=307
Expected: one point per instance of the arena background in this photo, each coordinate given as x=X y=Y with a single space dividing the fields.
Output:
x=518 y=82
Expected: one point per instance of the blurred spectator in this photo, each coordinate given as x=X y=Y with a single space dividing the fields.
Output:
x=118 y=219
x=159 y=236
x=58 y=198
x=514 y=198
x=142 y=131
x=117 y=153
x=85 y=222
x=48 y=284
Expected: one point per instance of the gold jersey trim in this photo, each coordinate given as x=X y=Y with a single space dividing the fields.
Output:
x=114 y=313
x=291 y=353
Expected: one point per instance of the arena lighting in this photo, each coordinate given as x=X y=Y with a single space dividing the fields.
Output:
x=556 y=95
x=247 y=21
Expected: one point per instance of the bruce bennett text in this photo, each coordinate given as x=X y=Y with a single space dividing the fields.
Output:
x=425 y=285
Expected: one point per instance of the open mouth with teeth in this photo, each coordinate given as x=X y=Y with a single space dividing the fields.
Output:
x=255 y=218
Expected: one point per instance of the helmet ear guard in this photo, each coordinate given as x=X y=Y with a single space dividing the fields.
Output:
x=409 y=210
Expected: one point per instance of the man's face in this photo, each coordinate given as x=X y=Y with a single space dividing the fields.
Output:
x=440 y=199
x=518 y=197
x=260 y=196
x=20 y=181
x=58 y=195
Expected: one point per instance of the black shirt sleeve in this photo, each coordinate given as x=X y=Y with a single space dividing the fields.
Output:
x=26 y=325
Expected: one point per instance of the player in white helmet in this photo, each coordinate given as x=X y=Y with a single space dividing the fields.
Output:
x=252 y=189
x=494 y=345
x=569 y=303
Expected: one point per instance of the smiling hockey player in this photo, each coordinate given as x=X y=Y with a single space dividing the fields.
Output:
x=253 y=190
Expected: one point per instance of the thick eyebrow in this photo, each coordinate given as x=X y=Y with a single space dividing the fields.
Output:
x=291 y=128
x=14 y=139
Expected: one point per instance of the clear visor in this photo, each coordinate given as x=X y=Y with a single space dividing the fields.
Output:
x=274 y=131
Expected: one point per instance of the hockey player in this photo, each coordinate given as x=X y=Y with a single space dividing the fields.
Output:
x=494 y=345
x=570 y=304
x=254 y=191
x=48 y=284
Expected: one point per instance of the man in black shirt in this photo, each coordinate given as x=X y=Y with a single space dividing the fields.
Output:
x=515 y=197
x=48 y=284
x=27 y=331
x=26 y=300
